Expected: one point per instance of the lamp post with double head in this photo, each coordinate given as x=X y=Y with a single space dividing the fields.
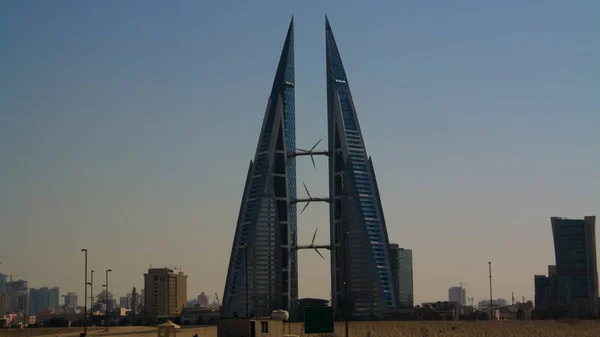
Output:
x=106 y=298
x=65 y=305
x=92 y=291
x=491 y=299
x=85 y=284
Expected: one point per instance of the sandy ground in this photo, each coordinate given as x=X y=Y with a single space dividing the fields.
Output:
x=376 y=329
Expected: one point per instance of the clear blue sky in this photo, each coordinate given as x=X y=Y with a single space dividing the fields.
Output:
x=126 y=127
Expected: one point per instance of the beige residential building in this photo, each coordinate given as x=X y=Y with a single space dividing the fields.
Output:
x=165 y=292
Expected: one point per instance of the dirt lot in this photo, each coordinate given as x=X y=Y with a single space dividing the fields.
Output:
x=361 y=329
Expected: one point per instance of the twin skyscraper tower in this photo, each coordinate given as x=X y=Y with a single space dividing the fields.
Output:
x=263 y=267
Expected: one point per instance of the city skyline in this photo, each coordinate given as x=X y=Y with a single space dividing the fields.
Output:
x=51 y=297
x=118 y=136
x=570 y=236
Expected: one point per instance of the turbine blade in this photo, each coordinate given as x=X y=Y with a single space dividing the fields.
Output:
x=318 y=252
x=306 y=189
x=306 y=205
x=314 y=236
x=301 y=150
x=314 y=146
x=313 y=161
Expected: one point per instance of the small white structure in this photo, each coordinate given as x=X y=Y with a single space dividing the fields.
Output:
x=250 y=327
x=168 y=329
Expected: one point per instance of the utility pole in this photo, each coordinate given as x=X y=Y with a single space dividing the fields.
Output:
x=106 y=300
x=92 y=291
x=85 y=296
x=91 y=284
x=491 y=301
x=65 y=305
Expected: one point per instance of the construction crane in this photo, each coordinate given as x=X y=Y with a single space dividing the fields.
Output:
x=218 y=302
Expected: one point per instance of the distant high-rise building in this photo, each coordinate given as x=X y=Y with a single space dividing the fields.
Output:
x=42 y=299
x=576 y=267
x=124 y=302
x=166 y=292
x=202 y=300
x=4 y=304
x=102 y=297
x=3 y=295
x=458 y=295
x=497 y=303
x=71 y=300
x=402 y=274
x=134 y=301
x=3 y=280
x=543 y=293
x=18 y=296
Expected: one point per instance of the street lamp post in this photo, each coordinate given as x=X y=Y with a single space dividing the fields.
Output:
x=106 y=299
x=65 y=305
x=85 y=295
x=245 y=248
x=491 y=301
x=92 y=291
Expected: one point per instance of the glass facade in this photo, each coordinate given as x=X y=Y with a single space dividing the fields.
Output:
x=543 y=294
x=3 y=280
x=262 y=256
x=576 y=269
x=402 y=271
x=355 y=206
x=3 y=295
x=17 y=293
x=262 y=260
x=458 y=295
x=43 y=298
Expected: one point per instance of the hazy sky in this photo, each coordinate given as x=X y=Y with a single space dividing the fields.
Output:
x=126 y=127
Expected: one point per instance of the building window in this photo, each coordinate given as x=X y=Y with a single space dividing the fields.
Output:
x=264 y=327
